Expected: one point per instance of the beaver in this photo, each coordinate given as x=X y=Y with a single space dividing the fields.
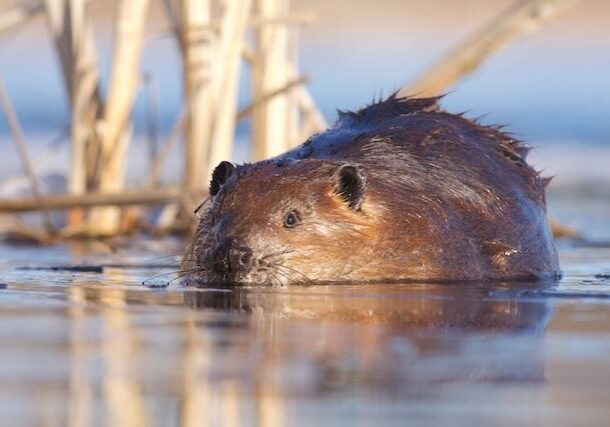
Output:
x=400 y=190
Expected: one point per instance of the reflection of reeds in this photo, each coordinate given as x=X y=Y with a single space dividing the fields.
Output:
x=122 y=389
x=80 y=387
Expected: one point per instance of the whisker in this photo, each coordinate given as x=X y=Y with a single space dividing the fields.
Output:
x=309 y=281
x=179 y=276
x=178 y=272
x=276 y=254
x=163 y=256
x=270 y=273
x=286 y=276
x=274 y=277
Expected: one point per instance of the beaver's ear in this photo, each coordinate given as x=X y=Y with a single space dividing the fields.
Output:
x=220 y=176
x=350 y=185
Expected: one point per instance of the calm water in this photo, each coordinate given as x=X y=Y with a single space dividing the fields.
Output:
x=91 y=348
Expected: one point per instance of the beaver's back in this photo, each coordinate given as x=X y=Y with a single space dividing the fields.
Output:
x=455 y=180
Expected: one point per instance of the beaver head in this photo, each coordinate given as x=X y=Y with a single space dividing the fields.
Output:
x=282 y=221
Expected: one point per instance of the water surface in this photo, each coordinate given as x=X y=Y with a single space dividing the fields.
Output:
x=91 y=348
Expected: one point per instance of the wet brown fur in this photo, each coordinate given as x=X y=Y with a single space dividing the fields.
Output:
x=443 y=198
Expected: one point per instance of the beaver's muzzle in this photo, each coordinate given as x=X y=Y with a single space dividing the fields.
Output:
x=231 y=260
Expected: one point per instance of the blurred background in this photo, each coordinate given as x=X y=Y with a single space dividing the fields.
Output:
x=550 y=86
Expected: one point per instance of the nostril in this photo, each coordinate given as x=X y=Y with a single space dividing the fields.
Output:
x=230 y=259
x=246 y=256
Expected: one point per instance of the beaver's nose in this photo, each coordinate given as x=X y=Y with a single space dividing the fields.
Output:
x=231 y=258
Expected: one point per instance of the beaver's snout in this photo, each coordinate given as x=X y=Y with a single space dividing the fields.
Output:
x=230 y=260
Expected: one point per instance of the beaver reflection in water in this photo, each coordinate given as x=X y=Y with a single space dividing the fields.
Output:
x=399 y=190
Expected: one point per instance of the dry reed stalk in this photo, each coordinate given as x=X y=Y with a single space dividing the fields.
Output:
x=72 y=32
x=172 y=29
x=167 y=218
x=270 y=71
x=313 y=119
x=152 y=114
x=18 y=15
x=66 y=201
x=226 y=79
x=114 y=127
x=168 y=145
x=198 y=54
x=521 y=17
x=16 y=232
x=248 y=55
x=293 y=115
x=293 y=19
x=174 y=22
x=21 y=146
x=561 y=231
x=288 y=87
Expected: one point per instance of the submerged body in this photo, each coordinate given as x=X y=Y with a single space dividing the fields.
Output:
x=399 y=190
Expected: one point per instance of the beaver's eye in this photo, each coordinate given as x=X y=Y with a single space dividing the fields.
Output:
x=291 y=219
